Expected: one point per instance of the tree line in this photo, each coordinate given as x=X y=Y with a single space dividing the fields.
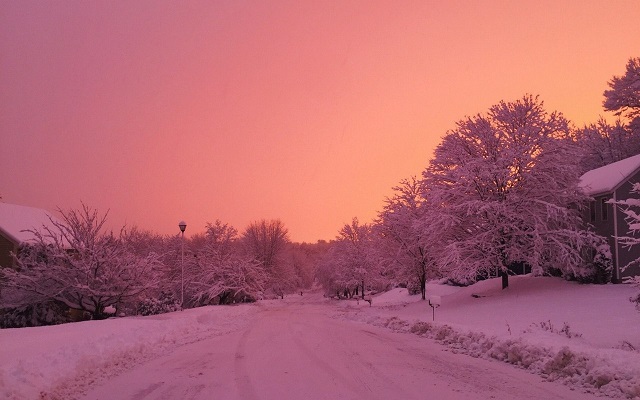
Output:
x=501 y=193
x=77 y=265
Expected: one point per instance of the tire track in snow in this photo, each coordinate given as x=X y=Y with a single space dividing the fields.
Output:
x=360 y=373
x=242 y=380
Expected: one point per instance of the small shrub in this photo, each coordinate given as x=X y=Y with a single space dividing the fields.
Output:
x=420 y=328
x=601 y=268
x=564 y=331
x=601 y=379
x=165 y=303
x=558 y=364
x=443 y=332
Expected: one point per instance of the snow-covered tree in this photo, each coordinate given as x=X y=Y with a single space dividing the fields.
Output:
x=266 y=241
x=352 y=265
x=303 y=259
x=504 y=189
x=405 y=247
x=623 y=97
x=77 y=263
x=221 y=271
x=631 y=208
x=603 y=143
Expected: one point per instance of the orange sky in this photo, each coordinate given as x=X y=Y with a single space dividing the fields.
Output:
x=305 y=111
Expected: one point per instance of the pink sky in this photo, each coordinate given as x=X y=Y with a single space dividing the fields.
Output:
x=305 y=111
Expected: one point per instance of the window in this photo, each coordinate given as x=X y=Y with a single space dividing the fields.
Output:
x=592 y=210
x=604 y=208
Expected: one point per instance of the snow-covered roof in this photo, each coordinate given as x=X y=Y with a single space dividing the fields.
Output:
x=606 y=179
x=15 y=220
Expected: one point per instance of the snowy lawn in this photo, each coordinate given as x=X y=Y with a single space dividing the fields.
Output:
x=586 y=336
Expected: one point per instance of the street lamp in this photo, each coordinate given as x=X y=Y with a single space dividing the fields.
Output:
x=182 y=225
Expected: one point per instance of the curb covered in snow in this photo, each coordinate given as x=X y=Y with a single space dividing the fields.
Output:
x=592 y=373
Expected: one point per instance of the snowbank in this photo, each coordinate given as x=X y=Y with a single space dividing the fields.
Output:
x=586 y=336
x=57 y=361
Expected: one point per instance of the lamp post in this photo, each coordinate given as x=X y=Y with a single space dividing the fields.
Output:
x=182 y=225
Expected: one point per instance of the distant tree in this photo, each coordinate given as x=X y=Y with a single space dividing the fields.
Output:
x=624 y=96
x=352 y=265
x=172 y=266
x=77 y=263
x=266 y=241
x=222 y=271
x=399 y=225
x=505 y=185
x=333 y=273
x=603 y=144
x=303 y=259
x=165 y=296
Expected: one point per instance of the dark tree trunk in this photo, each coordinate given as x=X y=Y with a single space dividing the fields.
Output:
x=423 y=286
x=224 y=297
x=505 y=279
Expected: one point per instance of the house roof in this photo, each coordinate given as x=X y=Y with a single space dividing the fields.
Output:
x=15 y=220
x=608 y=178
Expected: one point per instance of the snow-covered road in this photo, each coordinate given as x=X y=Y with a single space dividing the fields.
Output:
x=296 y=350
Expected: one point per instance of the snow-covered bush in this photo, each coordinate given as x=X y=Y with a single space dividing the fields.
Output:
x=49 y=313
x=602 y=265
x=78 y=263
x=164 y=303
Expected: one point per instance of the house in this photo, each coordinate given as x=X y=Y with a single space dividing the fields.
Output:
x=15 y=223
x=613 y=182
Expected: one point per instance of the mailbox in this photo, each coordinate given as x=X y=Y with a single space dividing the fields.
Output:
x=434 y=302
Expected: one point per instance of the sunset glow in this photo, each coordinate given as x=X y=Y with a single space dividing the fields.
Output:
x=309 y=112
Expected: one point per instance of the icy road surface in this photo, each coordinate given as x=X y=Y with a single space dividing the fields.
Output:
x=298 y=351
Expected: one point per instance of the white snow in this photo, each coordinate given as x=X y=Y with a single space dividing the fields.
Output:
x=37 y=360
x=530 y=324
x=606 y=179
x=586 y=336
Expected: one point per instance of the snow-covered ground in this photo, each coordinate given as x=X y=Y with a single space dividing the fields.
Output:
x=586 y=336
x=583 y=335
x=67 y=359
